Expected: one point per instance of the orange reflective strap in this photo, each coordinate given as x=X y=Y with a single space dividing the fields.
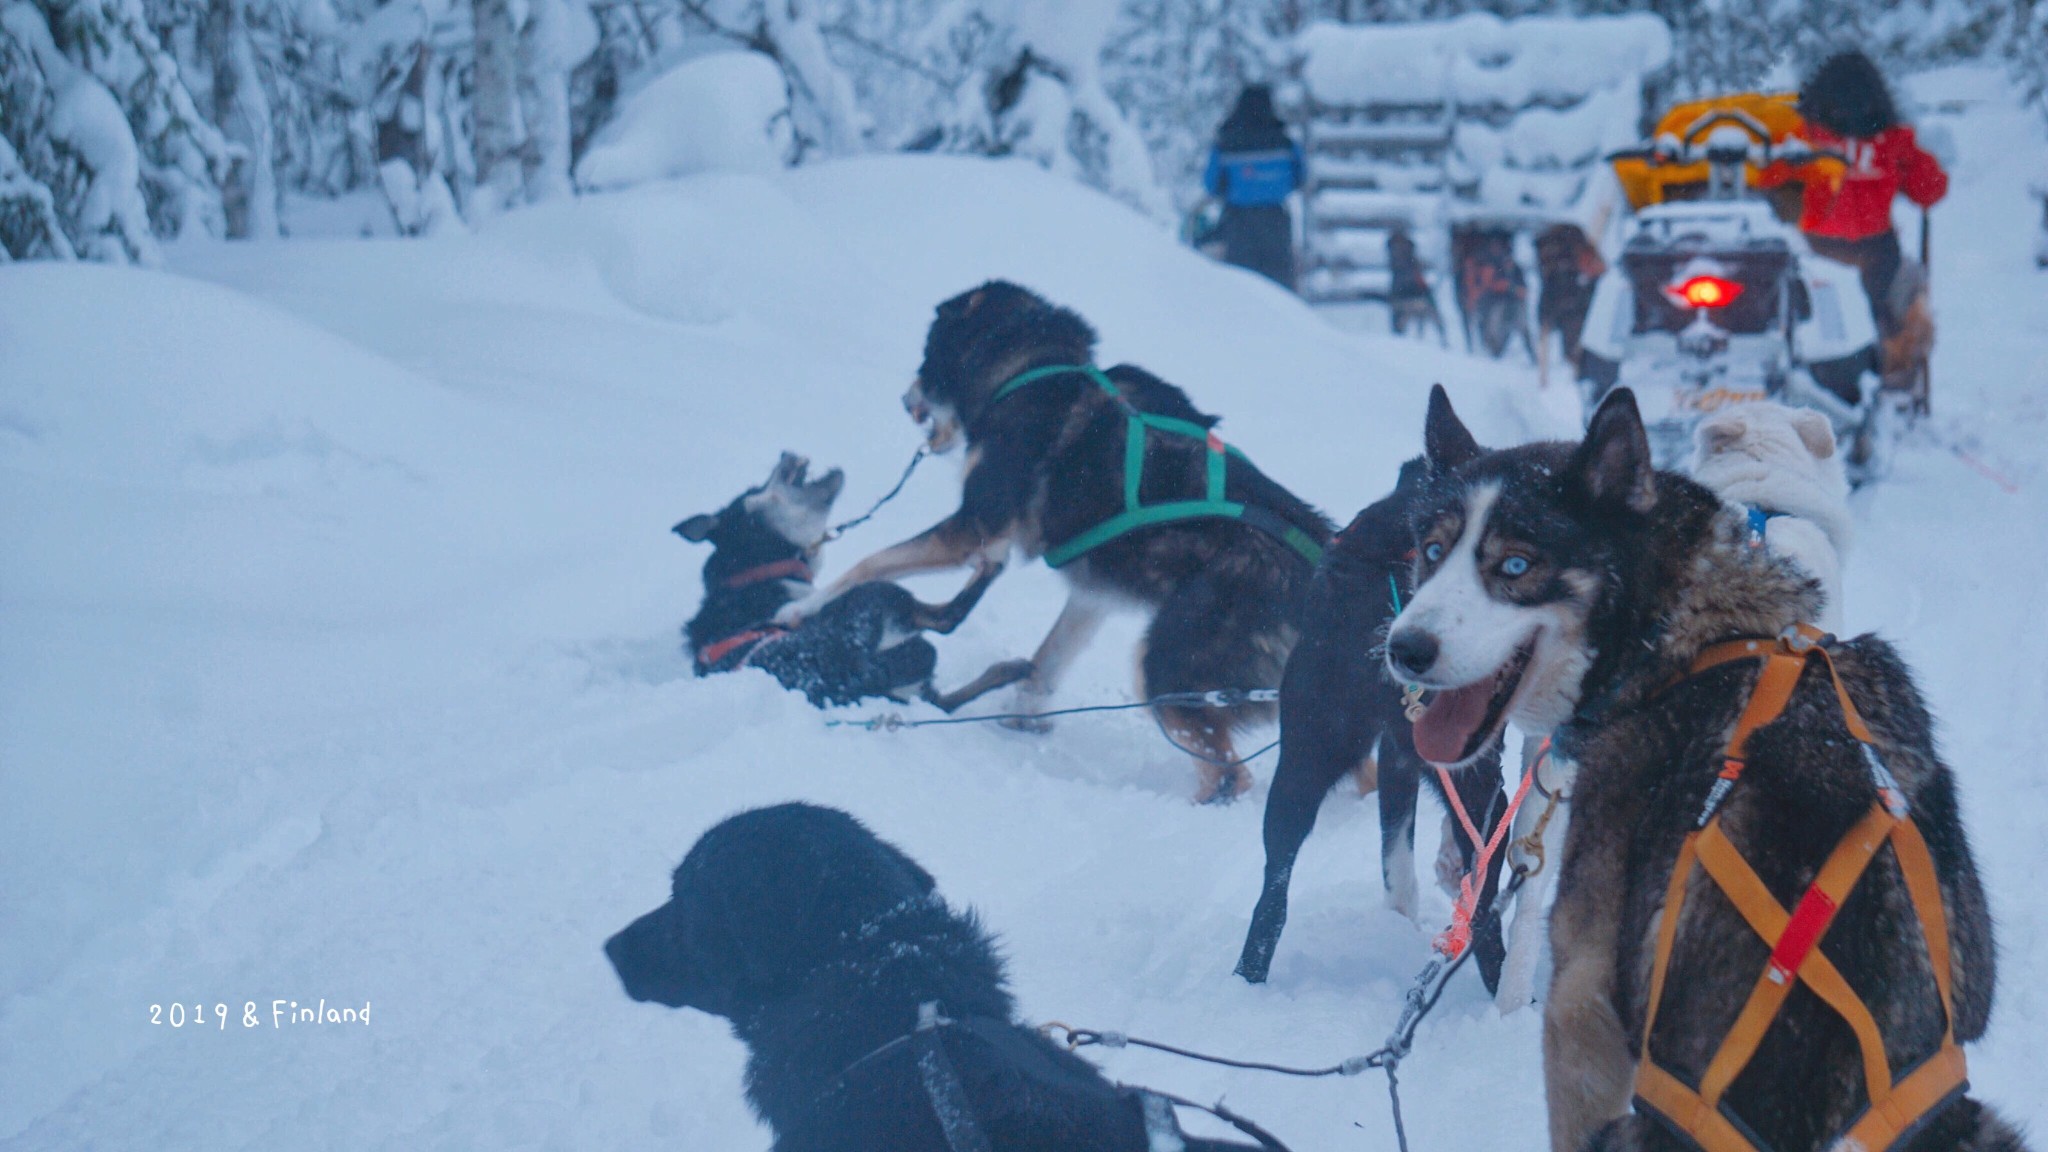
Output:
x=1747 y=892
x=1667 y=931
x=1768 y=699
x=1917 y=867
x=1795 y=936
x=1850 y=716
x=1935 y=1082
x=1681 y=1107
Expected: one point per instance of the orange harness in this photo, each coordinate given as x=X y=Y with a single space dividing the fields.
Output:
x=1896 y=1108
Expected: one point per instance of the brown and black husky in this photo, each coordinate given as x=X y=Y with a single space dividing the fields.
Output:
x=1569 y=587
x=1045 y=464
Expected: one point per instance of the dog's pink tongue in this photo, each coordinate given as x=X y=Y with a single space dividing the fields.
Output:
x=1445 y=728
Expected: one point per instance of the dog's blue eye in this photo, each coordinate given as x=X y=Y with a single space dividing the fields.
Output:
x=1514 y=566
x=1433 y=552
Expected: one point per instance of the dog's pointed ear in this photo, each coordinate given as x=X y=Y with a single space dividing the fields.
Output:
x=1612 y=467
x=1445 y=440
x=1721 y=431
x=697 y=529
x=1815 y=431
x=1413 y=473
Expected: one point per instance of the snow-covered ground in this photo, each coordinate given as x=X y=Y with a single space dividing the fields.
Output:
x=340 y=659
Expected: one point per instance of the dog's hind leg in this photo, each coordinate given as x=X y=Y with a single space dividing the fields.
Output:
x=1216 y=630
x=943 y=618
x=997 y=676
x=1204 y=734
x=901 y=671
x=1315 y=753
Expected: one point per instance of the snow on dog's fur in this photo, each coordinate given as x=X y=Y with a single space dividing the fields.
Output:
x=1783 y=460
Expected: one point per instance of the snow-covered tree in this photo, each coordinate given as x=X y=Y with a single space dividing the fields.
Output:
x=184 y=159
x=28 y=213
x=494 y=107
x=824 y=114
x=241 y=107
x=130 y=122
x=1176 y=66
x=559 y=35
x=82 y=139
x=1042 y=97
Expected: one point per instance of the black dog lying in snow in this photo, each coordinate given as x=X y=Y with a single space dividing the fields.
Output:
x=825 y=947
x=864 y=644
x=1336 y=705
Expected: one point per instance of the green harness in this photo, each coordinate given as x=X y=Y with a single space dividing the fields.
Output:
x=1137 y=515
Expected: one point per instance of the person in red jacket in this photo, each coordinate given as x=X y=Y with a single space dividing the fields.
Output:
x=1847 y=211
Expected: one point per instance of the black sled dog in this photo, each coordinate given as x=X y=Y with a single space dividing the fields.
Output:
x=1769 y=933
x=1341 y=713
x=875 y=1017
x=866 y=644
x=1119 y=482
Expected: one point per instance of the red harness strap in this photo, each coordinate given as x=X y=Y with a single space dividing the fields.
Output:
x=794 y=568
x=710 y=656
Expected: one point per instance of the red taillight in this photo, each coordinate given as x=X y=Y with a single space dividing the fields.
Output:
x=1706 y=292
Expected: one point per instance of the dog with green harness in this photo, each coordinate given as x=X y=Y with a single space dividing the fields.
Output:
x=1120 y=483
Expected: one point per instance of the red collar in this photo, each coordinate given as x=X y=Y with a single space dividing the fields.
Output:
x=795 y=567
x=710 y=656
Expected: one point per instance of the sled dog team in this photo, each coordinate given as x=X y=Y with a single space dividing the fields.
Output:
x=1768 y=931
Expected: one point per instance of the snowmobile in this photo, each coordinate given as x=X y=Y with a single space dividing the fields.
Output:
x=1717 y=300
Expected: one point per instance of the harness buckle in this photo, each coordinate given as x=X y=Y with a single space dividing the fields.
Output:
x=1888 y=790
x=1723 y=784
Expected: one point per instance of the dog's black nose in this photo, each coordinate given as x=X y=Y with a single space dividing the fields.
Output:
x=1411 y=652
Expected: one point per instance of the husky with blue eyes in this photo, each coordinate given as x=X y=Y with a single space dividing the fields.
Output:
x=1574 y=589
x=1508 y=580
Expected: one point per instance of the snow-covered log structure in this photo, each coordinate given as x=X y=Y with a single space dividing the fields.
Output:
x=1410 y=126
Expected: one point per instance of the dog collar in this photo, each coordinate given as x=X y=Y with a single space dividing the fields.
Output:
x=793 y=568
x=1759 y=519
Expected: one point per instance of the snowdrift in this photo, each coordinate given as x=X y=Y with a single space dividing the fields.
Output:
x=1480 y=58
x=342 y=663
x=714 y=113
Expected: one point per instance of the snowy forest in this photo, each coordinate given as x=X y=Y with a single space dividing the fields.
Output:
x=129 y=124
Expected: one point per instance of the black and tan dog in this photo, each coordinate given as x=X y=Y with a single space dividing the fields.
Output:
x=1411 y=303
x=1567 y=268
x=1046 y=459
x=1574 y=587
x=868 y=643
x=1340 y=713
x=875 y=1017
